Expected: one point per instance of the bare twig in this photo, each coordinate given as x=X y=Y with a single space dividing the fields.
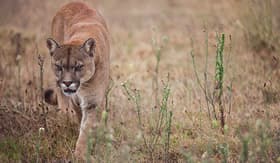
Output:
x=41 y=65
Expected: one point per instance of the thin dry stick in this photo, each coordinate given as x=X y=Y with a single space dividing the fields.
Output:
x=194 y=66
x=136 y=99
x=158 y=55
x=156 y=78
x=206 y=74
x=2 y=87
x=226 y=72
x=207 y=98
x=168 y=133
x=162 y=111
x=106 y=111
x=230 y=99
x=16 y=40
x=41 y=65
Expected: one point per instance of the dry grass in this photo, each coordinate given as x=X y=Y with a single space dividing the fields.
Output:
x=252 y=133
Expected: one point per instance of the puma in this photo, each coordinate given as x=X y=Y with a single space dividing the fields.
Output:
x=79 y=50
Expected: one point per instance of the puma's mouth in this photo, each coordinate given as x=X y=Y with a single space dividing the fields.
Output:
x=69 y=92
x=69 y=89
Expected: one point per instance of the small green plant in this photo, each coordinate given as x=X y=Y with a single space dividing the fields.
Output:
x=256 y=143
x=135 y=96
x=224 y=151
x=219 y=78
x=214 y=97
x=245 y=149
x=163 y=121
x=188 y=157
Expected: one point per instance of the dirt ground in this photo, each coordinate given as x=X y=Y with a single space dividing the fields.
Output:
x=140 y=29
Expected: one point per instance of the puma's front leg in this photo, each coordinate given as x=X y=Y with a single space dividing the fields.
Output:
x=86 y=129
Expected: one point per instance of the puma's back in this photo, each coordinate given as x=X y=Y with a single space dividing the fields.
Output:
x=72 y=17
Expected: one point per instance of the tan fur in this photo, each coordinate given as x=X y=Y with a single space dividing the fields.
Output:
x=72 y=25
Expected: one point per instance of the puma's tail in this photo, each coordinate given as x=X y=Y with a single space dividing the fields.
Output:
x=50 y=96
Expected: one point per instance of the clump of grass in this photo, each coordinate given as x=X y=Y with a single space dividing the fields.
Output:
x=10 y=149
x=256 y=19
x=257 y=143
x=270 y=93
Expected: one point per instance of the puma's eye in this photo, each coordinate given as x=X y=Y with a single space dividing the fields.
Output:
x=79 y=67
x=58 y=67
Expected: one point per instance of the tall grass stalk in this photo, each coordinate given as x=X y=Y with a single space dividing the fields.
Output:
x=157 y=46
x=107 y=109
x=224 y=151
x=41 y=61
x=18 y=76
x=167 y=133
x=206 y=85
x=108 y=149
x=38 y=144
x=245 y=149
x=17 y=41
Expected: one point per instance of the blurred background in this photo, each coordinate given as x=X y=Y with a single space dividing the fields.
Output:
x=153 y=42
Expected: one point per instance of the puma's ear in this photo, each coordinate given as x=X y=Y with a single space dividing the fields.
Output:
x=89 y=46
x=52 y=45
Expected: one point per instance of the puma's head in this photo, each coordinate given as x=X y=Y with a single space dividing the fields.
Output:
x=72 y=64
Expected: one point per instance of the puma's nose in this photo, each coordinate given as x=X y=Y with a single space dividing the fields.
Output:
x=67 y=83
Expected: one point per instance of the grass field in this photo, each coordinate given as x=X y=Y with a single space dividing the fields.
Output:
x=191 y=81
